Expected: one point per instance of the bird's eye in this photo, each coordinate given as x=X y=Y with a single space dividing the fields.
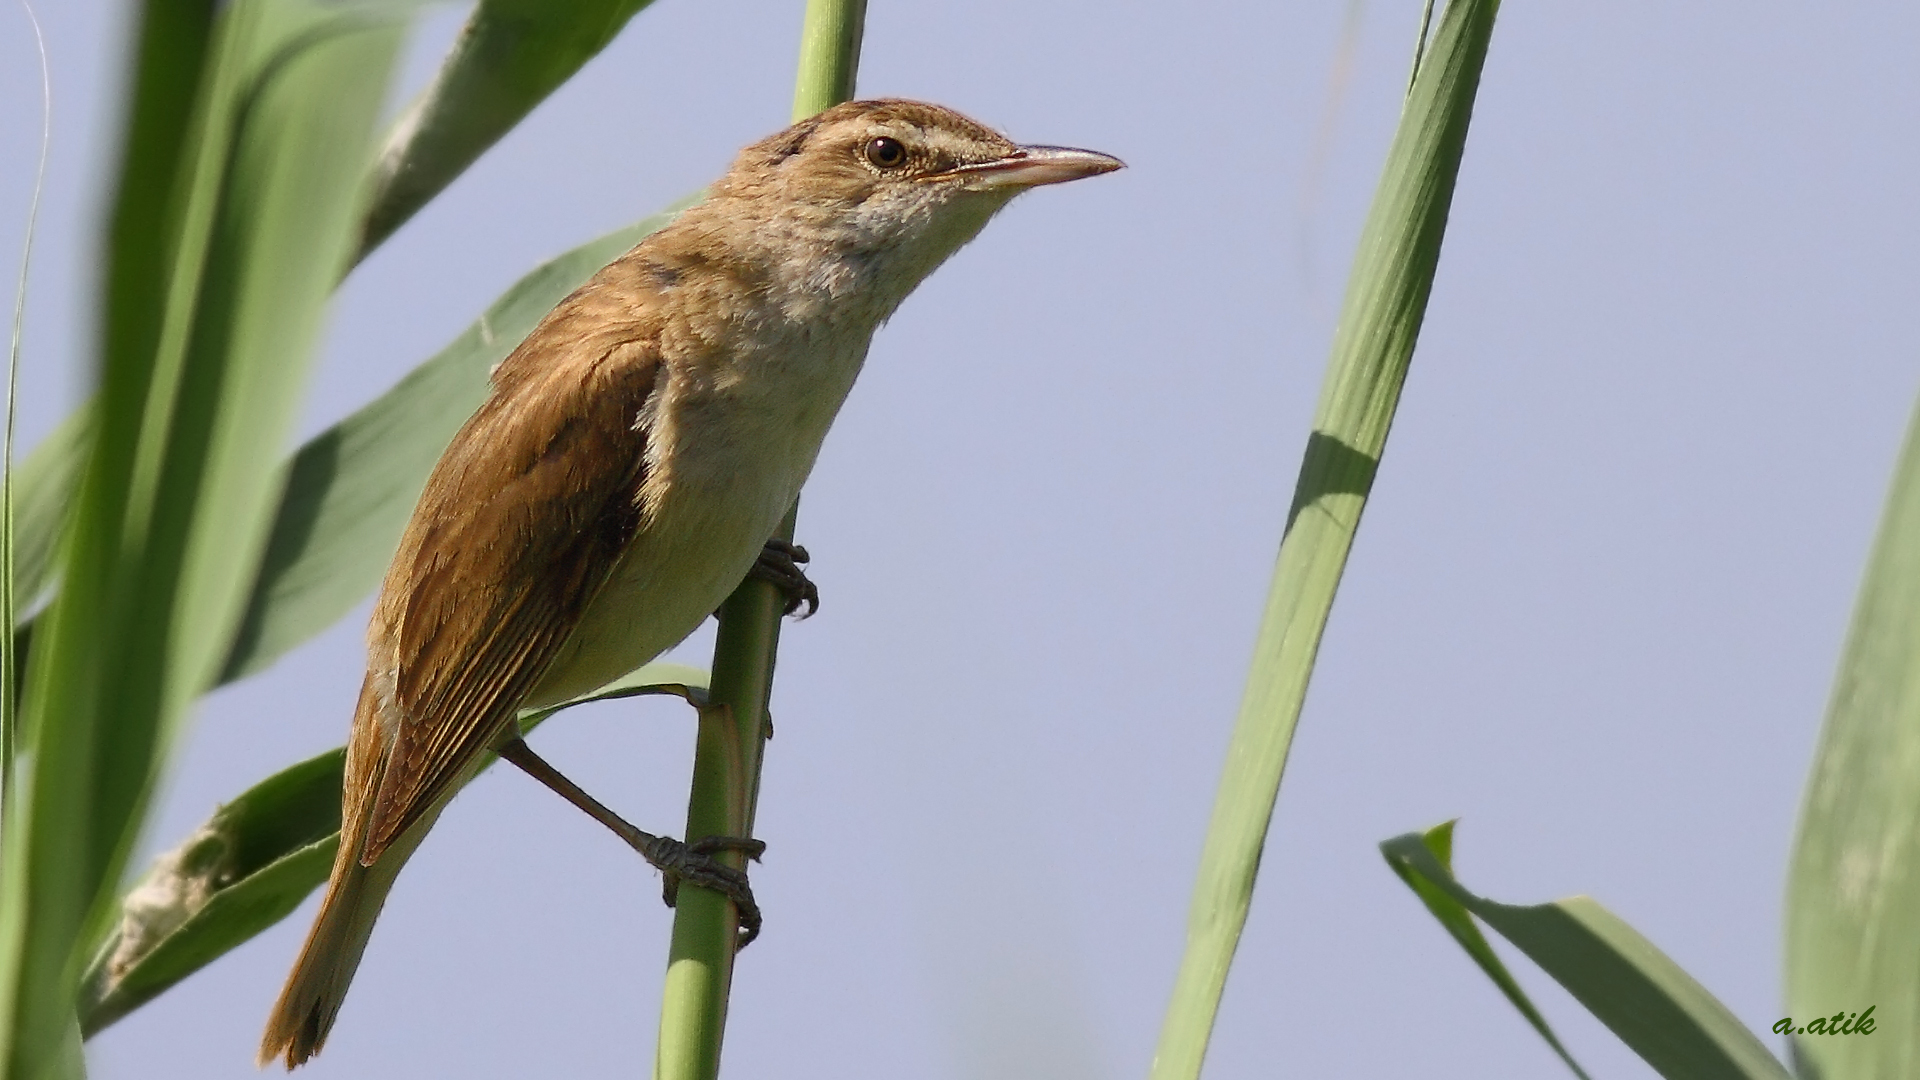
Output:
x=886 y=153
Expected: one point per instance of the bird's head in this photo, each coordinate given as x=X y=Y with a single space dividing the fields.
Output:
x=898 y=184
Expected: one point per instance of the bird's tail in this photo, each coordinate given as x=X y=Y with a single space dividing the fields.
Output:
x=355 y=893
x=307 y=1006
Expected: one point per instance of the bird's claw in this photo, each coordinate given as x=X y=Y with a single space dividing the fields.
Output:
x=694 y=864
x=779 y=565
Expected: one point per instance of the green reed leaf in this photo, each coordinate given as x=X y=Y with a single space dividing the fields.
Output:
x=1385 y=303
x=509 y=56
x=1853 y=887
x=1656 y=1008
x=248 y=133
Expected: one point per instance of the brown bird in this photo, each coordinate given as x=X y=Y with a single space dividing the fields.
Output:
x=634 y=455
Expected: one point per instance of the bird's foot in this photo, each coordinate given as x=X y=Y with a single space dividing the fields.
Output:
x=694 y=864
x=779 y=565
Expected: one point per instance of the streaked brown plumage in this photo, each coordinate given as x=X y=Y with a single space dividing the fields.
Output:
x=634 y=454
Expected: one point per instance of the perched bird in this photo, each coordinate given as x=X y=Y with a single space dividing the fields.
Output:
x=625 y=472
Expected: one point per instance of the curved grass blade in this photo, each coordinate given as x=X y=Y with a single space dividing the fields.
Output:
x=252 y=864
x=350 y=489
x=204 y=362
x=1656 y=1008
x=1853 y=889
x=1459 y=922
x=1385 y=303
x=510 y=55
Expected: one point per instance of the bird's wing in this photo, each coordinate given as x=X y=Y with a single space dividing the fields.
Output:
x=522 y=522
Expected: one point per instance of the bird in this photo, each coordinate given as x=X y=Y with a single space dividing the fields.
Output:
x=624 y=473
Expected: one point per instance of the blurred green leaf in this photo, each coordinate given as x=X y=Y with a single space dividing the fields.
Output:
x=252 y=864
x=1853 y=889
x=351 y=489
x=1385 y=303
x=40 y=919
x=510 y=55
x=231 y=223
x=1632 y=987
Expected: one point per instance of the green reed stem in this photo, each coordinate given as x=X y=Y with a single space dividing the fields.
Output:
x=734 y=725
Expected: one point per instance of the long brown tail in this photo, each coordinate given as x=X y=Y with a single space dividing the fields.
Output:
x=307 y=1007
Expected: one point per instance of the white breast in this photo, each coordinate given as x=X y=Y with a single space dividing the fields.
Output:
x=729 y=445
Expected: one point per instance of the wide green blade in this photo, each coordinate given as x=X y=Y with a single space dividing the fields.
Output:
x=252 y=864
x=1385 y=303
x=350 y=489
x=1656 y=1008
x=170 y=42
x=195 y=399
x=510 y=55
x=1853 y=890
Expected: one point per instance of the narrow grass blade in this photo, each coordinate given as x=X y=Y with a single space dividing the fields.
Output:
x=350 y=489
x=9 y=599
x=510 y=55
x=195 y=399
x=1853 y=889
x=254 y=861
x=1632 y=987
x=1373 y=345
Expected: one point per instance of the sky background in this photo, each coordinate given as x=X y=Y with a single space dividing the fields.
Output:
x=1594 y=609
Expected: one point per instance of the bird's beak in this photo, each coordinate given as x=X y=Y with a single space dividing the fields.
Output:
x=1030 y=166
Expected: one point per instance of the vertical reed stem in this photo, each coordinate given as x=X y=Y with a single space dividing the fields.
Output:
x=733 y=727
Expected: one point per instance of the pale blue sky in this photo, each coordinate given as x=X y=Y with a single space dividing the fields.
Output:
x=1594 y=608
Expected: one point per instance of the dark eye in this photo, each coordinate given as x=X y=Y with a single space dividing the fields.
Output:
x=886 y=153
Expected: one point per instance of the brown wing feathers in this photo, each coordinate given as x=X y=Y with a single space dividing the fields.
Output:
x=522 y=521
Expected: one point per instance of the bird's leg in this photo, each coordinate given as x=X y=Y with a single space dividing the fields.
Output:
x=692 y=863
x=779 y=565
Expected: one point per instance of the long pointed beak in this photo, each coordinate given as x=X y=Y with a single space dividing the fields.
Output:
x=1031 y=166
